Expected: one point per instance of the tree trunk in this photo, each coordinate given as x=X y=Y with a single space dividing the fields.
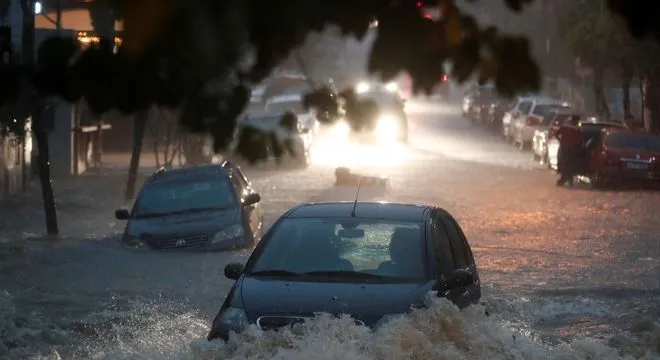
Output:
x=139 y=128
x=653 y=101
x=36 y=111
x=44 y=169
x=599 y=92
x=625 y=86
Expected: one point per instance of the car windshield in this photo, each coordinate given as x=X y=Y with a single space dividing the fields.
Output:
x=387 y=249
x=184 y=196
x=639 y=141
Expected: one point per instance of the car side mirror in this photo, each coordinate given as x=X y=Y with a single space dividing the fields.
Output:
x=459 y=278
x=122 y=214
x=251 y=199
x=233 y=271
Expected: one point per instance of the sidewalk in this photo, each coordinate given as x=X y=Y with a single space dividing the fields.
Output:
x=85 y=208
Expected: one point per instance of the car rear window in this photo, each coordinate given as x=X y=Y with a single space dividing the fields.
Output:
x=545 y=110
x=282 y=107
x=639 y=141
x=184 y=196
x=392 y=249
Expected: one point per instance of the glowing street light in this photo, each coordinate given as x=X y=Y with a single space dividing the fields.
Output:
x=38 y=7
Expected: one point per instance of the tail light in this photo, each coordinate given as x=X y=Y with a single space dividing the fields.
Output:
x=445 y=77
x=532 y=120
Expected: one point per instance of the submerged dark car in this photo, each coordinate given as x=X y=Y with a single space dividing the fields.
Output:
x=202 y=208
x=368 y=260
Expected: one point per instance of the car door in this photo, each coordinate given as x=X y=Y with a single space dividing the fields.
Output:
x=464 y=260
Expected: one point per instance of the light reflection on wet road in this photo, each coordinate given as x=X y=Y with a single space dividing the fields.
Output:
x=572 y=260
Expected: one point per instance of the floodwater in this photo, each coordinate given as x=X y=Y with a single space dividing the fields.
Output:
x=567 y=273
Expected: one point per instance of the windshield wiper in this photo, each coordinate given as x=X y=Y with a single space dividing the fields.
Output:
x=345 y=274
x=275 y=272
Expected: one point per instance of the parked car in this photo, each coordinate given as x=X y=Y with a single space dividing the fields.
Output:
x=473 y=94
x=531 y=116
x=513 y=110
x=368 y=260
x=588 y=130
x=202 y=208
x=542 y=134
x=618 y=155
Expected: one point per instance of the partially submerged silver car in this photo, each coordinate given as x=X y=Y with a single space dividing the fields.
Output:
x=202 y=208
x=298 y=138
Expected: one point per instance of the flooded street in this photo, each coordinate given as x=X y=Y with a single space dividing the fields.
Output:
x=558 y=265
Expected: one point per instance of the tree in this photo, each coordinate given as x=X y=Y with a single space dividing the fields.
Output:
x=202 y=56
x=599 y=39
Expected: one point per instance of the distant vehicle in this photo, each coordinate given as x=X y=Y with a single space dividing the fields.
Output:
x=392 y=122
x=588 y=130
x=618 y=155
x=203 y=208
x=530 y=116
x=298 y=137
x=368 y=260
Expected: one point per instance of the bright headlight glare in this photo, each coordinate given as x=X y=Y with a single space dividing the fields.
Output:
x=362 y=88
x=231 y=319
x=391 y=87
x=386 y=127
x=228 y=233
x=342 y=129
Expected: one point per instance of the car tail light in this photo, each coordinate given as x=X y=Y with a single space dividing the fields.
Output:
x=419 y=4
x=532 y=120
x=445 y=77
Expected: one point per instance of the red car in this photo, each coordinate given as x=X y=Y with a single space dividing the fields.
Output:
x=621 y=155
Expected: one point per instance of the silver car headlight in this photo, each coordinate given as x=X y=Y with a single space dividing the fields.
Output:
x=227 y=233
x=231 y=319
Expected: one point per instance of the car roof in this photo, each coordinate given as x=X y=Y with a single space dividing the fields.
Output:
x=372 y=210
x=191 y=172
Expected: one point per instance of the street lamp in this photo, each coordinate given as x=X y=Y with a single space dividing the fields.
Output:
x=38 y=7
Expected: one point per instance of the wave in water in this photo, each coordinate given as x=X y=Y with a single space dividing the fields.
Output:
x=438 y=332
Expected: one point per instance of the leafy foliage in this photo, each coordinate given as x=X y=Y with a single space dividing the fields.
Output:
x=203 y=55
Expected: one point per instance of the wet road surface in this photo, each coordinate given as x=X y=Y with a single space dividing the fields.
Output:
x=556 y=263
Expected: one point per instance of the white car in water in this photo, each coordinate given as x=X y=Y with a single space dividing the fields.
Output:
x=296 y=139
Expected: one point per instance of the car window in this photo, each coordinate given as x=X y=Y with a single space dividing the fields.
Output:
x=185 y=195
x=238 y=179
x=393 y=249
x=282 y=107
x=443 y=253
x=525 y=107
x=647 y=142
x=461 y=258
